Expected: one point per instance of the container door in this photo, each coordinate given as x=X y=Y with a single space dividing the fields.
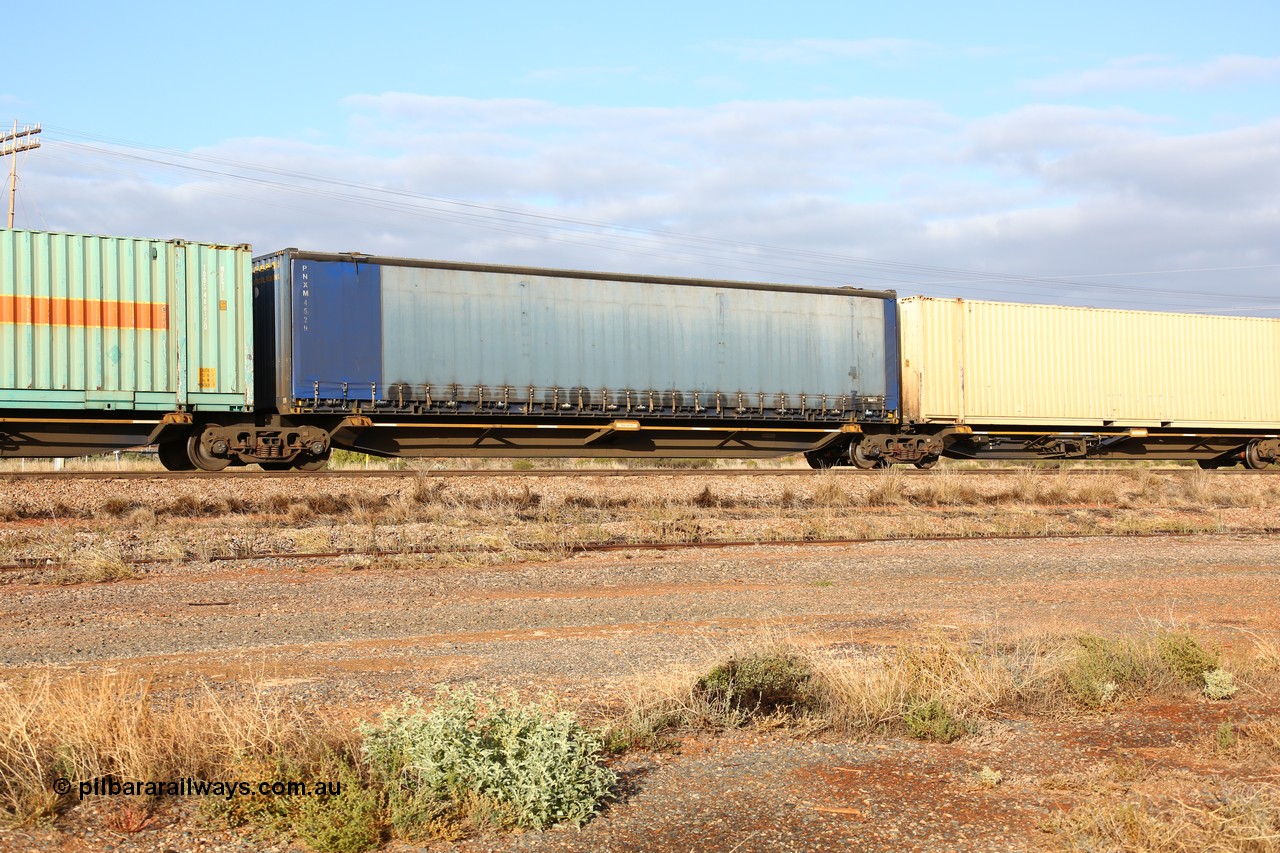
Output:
x=179 y=297
x=337 y=331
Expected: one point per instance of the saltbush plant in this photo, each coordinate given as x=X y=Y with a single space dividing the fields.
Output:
x=1102 y=669
x=477 y=760
x=1219 y=684
x=349 y=822
x=1186 y=657
x=762 y=683
x=932 y=720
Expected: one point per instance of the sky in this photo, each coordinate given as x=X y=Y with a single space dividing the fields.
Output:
x=1120 y=154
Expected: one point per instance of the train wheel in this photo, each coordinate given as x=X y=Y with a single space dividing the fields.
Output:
x=1252 y=459
x=1209 y=464
x=173 y=456
x=861 y=460
x=821 y=460
x=926 y=462
x=202 y=459
x=312 y=463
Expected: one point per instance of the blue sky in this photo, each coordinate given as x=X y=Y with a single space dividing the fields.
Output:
x=960 y=149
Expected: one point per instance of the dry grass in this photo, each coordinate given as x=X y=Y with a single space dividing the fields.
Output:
x=99 y=563
x=828 y=491
x=93 y=728
x=946 y=688
x=118 y=732
x=553 y=517
x=889 y=489
x=947 y=488
x=1264 y=736
x=1237 y=817
x=517 y=525
x=940 y=685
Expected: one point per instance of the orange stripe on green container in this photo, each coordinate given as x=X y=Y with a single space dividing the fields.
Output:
x=86 y=313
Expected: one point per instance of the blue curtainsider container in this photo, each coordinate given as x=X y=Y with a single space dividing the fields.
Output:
x=353 y=333
x=118 y=323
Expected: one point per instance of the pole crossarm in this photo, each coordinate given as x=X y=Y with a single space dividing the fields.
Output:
x=14 y=148
x=10 y=144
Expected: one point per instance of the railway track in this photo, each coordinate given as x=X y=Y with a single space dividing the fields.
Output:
x=447 y=473
x=49 y=563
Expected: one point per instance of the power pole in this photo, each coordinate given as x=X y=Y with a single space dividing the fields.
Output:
x=14 y=143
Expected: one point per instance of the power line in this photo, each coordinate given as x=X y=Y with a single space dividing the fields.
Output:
x=576 y=231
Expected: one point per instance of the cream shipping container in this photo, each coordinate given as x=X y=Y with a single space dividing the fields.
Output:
x=1002 y=363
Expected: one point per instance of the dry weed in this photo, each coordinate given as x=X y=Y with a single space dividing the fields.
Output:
x=92 y=728
x=98 y=563
x=1265 y=655
x=861 y=695
x=1026 y=487
x=276 y=503
x=1100 y=490
x=828 y=492
x=594 y=501
x=946 y=489
x=1056 y=490
x=889 y=489
x=1231 y=818
x=427 y=491
x=707 y=499
x=1196 y=487
x=191 y=506
x=116 y=507
x=939 y=689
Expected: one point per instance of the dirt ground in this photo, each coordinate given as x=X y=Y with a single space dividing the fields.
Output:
x=351 y=637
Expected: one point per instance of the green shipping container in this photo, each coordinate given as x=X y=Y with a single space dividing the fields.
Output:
x=117 y=323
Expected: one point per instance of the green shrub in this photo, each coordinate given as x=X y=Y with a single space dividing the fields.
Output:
x=519 y=765
x=419 y=815
x=933 y=721
x=349 y=822
x=1102 y=669
x=1225 y=738
x=647 y=728
x=762 y=683
x=1186 y=657
x=263 y=812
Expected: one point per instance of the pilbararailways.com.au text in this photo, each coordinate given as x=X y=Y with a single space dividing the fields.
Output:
x=189 y=787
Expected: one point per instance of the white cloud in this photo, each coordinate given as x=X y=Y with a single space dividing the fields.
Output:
x=1148 y=72
x=1037 y=191
x=1029 y=137
x=1226 y=171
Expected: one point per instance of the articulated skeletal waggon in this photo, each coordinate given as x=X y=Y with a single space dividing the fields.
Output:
x=223 y=360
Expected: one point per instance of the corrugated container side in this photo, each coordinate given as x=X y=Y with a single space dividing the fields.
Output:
x=89 y=322
x=1008 y=363
x=361 y=327
x=544 y=331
